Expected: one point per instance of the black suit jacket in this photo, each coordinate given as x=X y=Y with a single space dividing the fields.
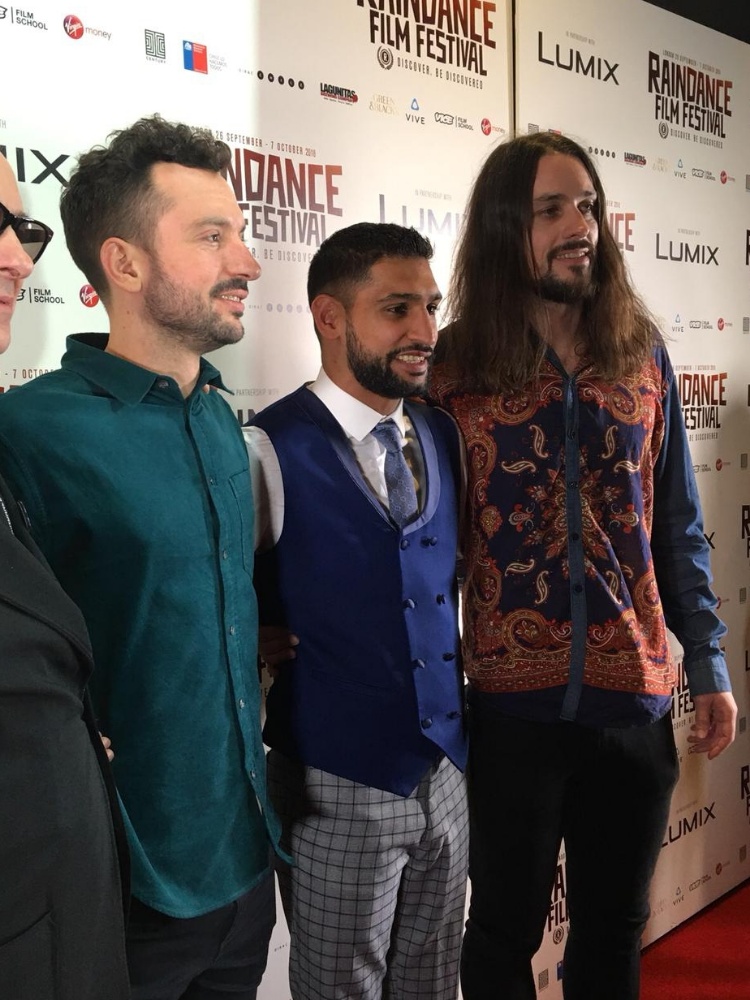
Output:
x=63 y=869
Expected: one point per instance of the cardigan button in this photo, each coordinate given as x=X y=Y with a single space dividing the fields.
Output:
x=405 y=543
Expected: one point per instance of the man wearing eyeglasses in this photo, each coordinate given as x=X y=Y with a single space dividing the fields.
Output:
x=61 y=910
x=138 y=492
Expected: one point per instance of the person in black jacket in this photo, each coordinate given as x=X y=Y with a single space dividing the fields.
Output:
x=63 y=867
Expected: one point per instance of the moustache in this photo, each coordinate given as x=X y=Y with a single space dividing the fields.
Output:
x=231 y=284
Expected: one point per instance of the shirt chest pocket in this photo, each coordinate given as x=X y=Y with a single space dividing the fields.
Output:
x=242 y=495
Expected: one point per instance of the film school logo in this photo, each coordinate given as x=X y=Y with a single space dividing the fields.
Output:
x=195 y=57
x=156 y=46
x=22 y=18
x=447 y=34
x=340 y=95
x=703 y=393
x=285 y=201
x=574 y=61
x=685 y=825
x=696 y=102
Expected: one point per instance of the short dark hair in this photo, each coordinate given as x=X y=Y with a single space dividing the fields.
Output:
x=344 y=260
x=111 y=192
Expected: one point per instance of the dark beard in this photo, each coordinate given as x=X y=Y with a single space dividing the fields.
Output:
x=374 y=373
x=553 y=289
x=187 y=318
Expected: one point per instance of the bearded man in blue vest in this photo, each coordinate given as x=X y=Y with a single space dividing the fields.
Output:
x=357 y=496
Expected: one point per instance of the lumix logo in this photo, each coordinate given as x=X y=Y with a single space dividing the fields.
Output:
x=681 y=252
x=686 y=825
x=24 y=165
x=576 y=62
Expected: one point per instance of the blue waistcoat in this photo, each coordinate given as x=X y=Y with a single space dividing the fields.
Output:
x=375 y=694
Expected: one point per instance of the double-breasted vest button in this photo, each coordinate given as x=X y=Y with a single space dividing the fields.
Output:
x=426 y=723
x=409 y=603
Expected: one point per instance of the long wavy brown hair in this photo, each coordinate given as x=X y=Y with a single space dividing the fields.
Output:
x=495 y=338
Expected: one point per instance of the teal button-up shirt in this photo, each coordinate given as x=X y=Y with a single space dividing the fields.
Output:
x=141 y=501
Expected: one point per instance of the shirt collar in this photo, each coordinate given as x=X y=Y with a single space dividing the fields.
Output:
x=129 y=383
x=356 y=418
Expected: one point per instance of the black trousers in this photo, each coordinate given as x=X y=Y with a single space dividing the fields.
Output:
x=607 y=792
x=220 y=955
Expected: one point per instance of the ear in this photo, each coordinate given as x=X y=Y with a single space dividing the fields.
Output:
x=329 y=316
x=122 y=263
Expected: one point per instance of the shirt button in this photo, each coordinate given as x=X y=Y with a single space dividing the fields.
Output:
x=433 y=540
x=162 y=384
x=212 y=480
x=242 y=703
x=252 y=775
x=231 y=630
x=578 y=588
x=573 y=484
x=408 y=604
x=426 y=723
x=405 y=543
x=575 y=536
x=571 y=433
x=225 y=554
x=420 y=664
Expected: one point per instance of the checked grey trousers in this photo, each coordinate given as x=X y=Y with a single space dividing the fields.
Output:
x=375 y=900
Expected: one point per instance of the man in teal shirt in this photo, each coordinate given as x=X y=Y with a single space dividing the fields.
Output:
x=133 y=474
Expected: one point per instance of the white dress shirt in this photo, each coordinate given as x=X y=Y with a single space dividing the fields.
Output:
x=357 y=421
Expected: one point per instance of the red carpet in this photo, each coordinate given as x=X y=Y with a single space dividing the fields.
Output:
x=706 y=958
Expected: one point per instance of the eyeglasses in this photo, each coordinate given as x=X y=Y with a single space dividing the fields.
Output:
x=33 y=236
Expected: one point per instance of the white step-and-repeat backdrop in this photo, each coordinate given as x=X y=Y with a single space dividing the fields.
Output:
x=339 y=111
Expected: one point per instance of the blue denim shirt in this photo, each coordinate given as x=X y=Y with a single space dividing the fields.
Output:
x=586 y=541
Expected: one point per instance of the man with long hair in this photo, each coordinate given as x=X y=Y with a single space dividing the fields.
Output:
x=585 y=545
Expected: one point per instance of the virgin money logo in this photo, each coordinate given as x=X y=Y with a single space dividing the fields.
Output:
x=720 y=323
x=486 y=126
x=88 y=295
x=73 y=26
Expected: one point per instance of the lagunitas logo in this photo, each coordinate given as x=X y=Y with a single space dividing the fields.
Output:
x=689 y=102
x=285 y=200
x=702 y=395
x=89 y=296
x=340 y=95
x=686 y=251
x=634 y=159
x=574 y=61
x=29 y=161
x=445 y=36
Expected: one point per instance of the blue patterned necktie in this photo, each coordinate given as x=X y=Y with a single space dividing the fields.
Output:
x=402 y=495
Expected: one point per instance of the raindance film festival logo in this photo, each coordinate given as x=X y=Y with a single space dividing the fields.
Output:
x=22 y=18
x=689 y=102
x=745 y=788
x=156 y=46
x=453 y=35
x=703 y=393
